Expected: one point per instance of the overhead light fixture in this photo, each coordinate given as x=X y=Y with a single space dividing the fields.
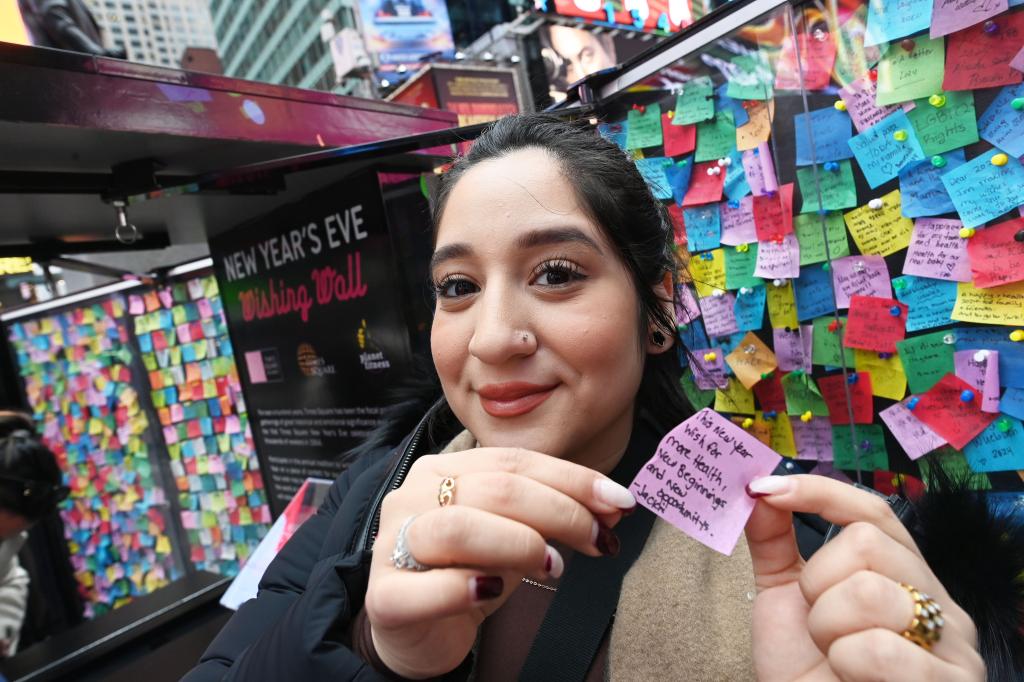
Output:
x=385 y=83
x=401 y=68
x=515 y=59
x=487 y=56
x=460 y=55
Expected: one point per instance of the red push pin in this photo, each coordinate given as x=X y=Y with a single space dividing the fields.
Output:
x=908 y=44
x=873 y=75
x=833 y=326
x=639 y=107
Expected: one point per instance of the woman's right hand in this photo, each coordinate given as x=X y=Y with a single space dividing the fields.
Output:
x=506 y=503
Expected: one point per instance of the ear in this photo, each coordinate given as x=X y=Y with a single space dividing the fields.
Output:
x=665 y=293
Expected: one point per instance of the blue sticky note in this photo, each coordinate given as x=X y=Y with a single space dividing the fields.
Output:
x=678 y=176
x=813 y=291
x=1000 y=447
x=653 y=171
x=1012 y=402
x=725 y=103
x=831 y=129
x=703 y=227
x=616 y=132
x=736 y=186
x=880 y=155
x=982 y=191
x=930 y=301
x=921 y=190
x=694 y=336
x=728 y=343
x=749 y=309
x=1011 y=353
x=1002 y=125
x=888 y=21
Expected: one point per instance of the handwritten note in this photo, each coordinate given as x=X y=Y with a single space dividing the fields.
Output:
x=954 y=15
x=859 y=97
x=880 y=155
x=813 y=439
x=781 y=306
x=793 y=348
x=695 y=103
x=938 y=251
x=881 y=231
x=826 y=343
x=750 y=359
x=926 y=359
x=736 y=399
x=704 y=188
x=834 y=389
x=930 y=301
x=942 y=129
x=750 y=77
x=865 y=451
x=678 y=176
x=836 y=188
x=872 y=325
x=887 y=377
x=760 y=170
x=703 y=227
x=903 y=75
x=911 y=433
x=716 y=138
x=996 y=257
x=864 y=275
x=769 y=394
x=773 y=214
x=831 y=130
x=802 y=395
x=981 y=370
x=998 y=305
x=813 y=292
x=888 y=21
x=737 y=220
x=778 y=259
x=719 y=314
x=749 y=309
x=980 y=59
x=677 y=139
x=982 y=191
x=708 y=374
x=1012 y=402
x=758 y=127
x=697 y=479
x=739 y=267
x=644 y=127
x=653 y=171
x=956 y=421
x=1011 y=353
x=1000 y=447
x=921 y=190
x=708 y=272
x=1001 y=124
x=812 y=231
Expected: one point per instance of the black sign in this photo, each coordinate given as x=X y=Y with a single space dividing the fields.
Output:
x=312 y=298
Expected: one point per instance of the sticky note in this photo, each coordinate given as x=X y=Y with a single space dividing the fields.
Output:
x=749 y=309
x=866 y=453
x=859 y=96
x=955 y=465
x=704 y=188
x=904 y=76
x=779 y=258
x=831 y=130
x=615 y=132
x=834 y=390
x=813 y=293
x=982 y=191
x=888 y=21
x=751 y=77
x=864 y=275
x=719 y=314
x=826 y=344
x=949 y=16
x=880 y=155
x=736 y=399
x=758 y=127
x=703 y=227
x=653 y=171
x=1018 y=61
x=724 y=102
x=781 y=306
x=644 y=127
x=780 y=438
x=769 y=394
x=926 y=359
x=1000 y=447
x=687 y=309
x=929 y=301
x=871 y=324
x=678 y=177
x=827 y=190
x=737 y=221
x=1012 y=402
x=695 y=103
x=1001 y=124
x=937 y=250
x=793 y=348
x=813 y=71
x=751 y=359
x=882 y=231
x=945 y=128
x=802 y=395
x=677 y=139
x=715 y=138
x=760 y=170
x=886 y=370
x=697 y=479
x=812 y=231
x=735 y=186
x=698 y=398
x=977 y=59
x=922 y=192
x=708 y=374
x=813 y=439
x=913 y=435
x=996 y=257
x=982 y=373
x=773 y=214
x=954 y=420
x=739 y=267
x=998 y=305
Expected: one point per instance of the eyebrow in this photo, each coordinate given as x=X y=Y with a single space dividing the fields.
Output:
x=527 y=240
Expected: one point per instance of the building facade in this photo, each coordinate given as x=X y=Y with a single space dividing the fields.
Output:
x=154 y=31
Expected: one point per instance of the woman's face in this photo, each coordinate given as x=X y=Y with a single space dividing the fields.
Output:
x=535 y=328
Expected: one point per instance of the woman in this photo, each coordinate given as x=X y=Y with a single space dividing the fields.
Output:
x=552 y=338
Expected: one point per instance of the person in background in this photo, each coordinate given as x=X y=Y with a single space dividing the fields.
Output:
x=31 y=487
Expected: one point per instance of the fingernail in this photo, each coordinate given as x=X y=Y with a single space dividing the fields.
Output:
x=768 y=485
x=628 y=512
x=486 y=587
x=553 y=563
x=607 y=542
x=613 y=494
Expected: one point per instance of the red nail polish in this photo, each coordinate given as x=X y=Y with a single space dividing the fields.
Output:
x=751 y=493
x=630 y=511
x=547 y=563
x=607 y=541
x=487 y=587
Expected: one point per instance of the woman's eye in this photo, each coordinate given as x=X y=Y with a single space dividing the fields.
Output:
x=455 y=287
x=557 y=274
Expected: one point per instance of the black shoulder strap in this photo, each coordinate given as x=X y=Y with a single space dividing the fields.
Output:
x=571 y=633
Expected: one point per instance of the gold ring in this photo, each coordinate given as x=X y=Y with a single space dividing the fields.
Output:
x=446 y=491
x=926 y=627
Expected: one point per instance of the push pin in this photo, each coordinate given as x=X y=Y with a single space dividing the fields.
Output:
x=967 y=232
x=873 y=75
x=820 y=36
x=912 y=403
x=717 y=292
x=895 y=311
x=833 y=326
x=745 y=290
x=766 y=375
x=771 y=414
x=852 y=378
x=1019 y=236
x=750 y=349
x=865 y=445
x=899 y=284
x=822 y=212
x=832 y=166
x=706 y=256
x=991 y=28
x=671 y=114
x=937 y=100
x=1000 y=159
x=826 y=267
x=981 y=356
x=639 y=107
x=900 y=135
x=1004 y=425
x=733 y=203
x=966 y=396
x=939 y=161
x=725 y=161
x=743 y=248
x=710 y=357
x=876 y=204
x=948 y=339
x=747 y=423
x=839 y=105
x=1017 y=335
x=778 y=282
x=884 y=356
x=858 y=266
x=806 y=416
x=908 y=44
x=1017 y=104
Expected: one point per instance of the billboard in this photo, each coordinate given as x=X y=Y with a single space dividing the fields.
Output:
x=405 y=31
x=652 y=16
x=571 y=53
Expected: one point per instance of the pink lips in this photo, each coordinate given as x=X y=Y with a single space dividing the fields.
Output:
x=513 y=398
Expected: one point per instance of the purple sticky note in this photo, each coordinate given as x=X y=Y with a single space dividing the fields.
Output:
x=697 y=479
x=719 y=314
x=980 y=368
x=863 y=275
x=813 y=439
x=778 y=259
x=954 y=15
x=1018 y=61
x=709 y=373
x=760 y=170
x=687 y=309
x=793 y=348
x=938 y=251
x=738 y=223
x=913 y=435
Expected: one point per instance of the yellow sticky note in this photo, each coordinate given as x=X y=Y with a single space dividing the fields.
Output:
x=887 y=377
x=780 y=434
x=759 y=429
x=163 y=546
x=781 y=306
x=708 y=274
x=750 y=359
x=998 y=305
x=735 y=399
x=881 y=231
x=758 y=128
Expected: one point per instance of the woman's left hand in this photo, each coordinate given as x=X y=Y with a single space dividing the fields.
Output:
x=840 y=615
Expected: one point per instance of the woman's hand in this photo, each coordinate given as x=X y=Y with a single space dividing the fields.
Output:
x=505 y=503
x=840 y=615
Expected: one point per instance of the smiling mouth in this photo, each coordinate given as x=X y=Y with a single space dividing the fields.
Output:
x=513 y=399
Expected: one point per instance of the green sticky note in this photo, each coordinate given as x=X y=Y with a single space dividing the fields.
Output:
x=739 y=267
x=695 y=104
x=752 y=78
x=953 y=462
x=698 y=398
x=926 y=359
x=838 y=189
x=716 y=138
x=951 y=126
x=644 y=127
x=802 y=395
x=826 y=346
x=903 y=75
x=851 y=59
x=866 y=453
x=812 y=234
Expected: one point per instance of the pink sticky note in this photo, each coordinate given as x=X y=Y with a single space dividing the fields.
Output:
x=738 y=223
x=778 y=259
x=793 y=348
x=136 y=306
x=1018 y=61
x=708 y=373
x=232 y=425
x=913 y=435
x=166 y=299
x=980 y=368
x=938 y=251
x=813 y=439
x=719 y=314
x=687 y=309
x=864 y=275
x=254 y=363
x=859 y=97
x=954 y=15
x=760 y=170
x=697 y=479
x=177 y=413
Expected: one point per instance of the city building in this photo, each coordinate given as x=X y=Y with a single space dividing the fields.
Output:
x=154 y=31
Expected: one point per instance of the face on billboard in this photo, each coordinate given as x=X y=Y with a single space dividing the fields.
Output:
x=572 y=53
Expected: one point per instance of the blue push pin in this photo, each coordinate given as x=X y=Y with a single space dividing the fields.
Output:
x=707 y=256
x=822 y=212
x=884 y=356
x=865 y=445
x=894 y=311
x=832 y=166
x=771 y=414
x=912 y=403
x=852 y=378
x=733 y=203
x=966 y=396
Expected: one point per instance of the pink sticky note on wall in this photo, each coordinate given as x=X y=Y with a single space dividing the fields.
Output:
x=697 y=479
x=980 y=368
x=913 y=435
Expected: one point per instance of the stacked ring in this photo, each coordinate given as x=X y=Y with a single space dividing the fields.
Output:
x=446 y=491
x=926 y=627
x=401 y=557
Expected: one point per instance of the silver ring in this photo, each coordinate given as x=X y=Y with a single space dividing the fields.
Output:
x=401 y=557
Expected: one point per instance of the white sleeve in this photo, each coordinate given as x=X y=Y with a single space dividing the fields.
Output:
x=14 y=582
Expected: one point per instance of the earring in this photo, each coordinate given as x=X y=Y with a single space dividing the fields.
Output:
x=658 y=338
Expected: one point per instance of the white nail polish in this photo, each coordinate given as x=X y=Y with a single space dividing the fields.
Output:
x=612 y=493
x=554 y=560
x=770 y=485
